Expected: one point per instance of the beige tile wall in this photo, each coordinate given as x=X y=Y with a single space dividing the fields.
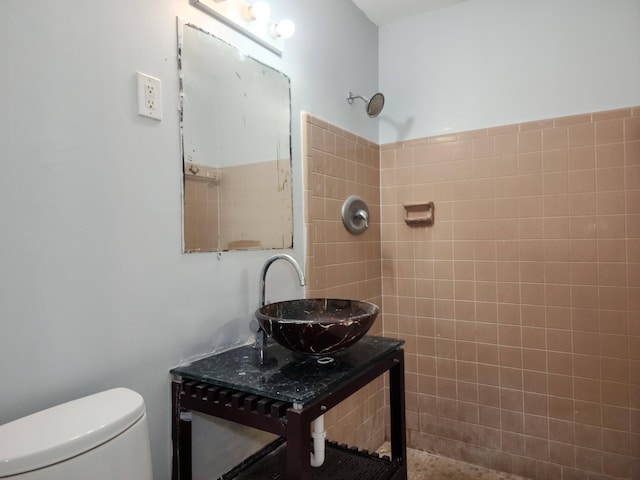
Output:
x=520 y=307
x=222 y=214
x=200 y=215
x=338 y=164
x=243 y=188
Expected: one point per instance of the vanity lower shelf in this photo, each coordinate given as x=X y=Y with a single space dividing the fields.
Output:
x=341 y=463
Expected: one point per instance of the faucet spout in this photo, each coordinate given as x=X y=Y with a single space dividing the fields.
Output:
x=265 y=268
x=261 y=336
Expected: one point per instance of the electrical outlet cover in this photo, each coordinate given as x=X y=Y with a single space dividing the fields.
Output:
x=149 y=96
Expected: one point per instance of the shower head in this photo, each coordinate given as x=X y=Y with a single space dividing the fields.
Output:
x=374 y=104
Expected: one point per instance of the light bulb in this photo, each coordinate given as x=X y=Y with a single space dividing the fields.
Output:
x=259 y=11
x=285 y=29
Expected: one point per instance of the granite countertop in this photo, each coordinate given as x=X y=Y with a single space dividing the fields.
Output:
x=282 y=374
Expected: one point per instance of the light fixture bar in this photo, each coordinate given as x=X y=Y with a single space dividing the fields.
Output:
x=233 y=13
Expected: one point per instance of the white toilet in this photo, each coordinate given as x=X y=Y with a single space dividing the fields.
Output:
x=99 y=437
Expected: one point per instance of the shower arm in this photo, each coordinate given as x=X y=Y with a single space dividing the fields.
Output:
x=352 y=97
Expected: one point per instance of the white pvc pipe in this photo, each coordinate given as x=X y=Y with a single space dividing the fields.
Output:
x=318 y=434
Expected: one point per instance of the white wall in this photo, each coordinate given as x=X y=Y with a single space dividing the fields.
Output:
x=483 y=63
x=94 y=289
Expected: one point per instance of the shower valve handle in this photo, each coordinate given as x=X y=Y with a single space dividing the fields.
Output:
x=363 y=216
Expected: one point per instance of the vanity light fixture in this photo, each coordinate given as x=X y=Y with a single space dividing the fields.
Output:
x=258 y=11
x=252 y=19
x=285 y=29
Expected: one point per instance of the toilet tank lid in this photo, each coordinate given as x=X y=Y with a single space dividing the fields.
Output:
x=64 y=431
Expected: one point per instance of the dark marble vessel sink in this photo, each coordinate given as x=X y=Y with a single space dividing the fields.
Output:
x=317 y=326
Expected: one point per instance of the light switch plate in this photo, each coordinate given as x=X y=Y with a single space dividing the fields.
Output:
x=149 y=96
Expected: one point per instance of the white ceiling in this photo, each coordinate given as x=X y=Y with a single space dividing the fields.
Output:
x=383 y=12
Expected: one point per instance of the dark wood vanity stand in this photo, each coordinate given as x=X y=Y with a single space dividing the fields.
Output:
x=278 y=391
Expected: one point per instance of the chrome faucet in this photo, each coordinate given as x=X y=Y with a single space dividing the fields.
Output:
x=265 y=267
x=261 y=337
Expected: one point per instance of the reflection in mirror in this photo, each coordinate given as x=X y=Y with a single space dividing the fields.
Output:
x=236 y=129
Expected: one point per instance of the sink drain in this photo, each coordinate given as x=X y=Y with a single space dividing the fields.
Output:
x=325 y=360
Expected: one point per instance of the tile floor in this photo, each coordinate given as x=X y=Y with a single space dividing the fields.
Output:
x=425 y=466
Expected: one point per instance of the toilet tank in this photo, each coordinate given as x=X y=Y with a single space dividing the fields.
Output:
x=100 y=437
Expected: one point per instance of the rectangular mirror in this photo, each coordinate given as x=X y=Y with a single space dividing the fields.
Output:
x=236 y=147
